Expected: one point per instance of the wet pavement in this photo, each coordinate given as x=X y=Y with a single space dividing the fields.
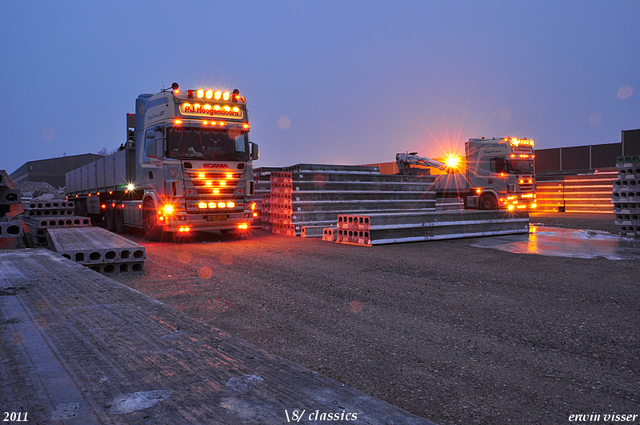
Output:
x=557 y=242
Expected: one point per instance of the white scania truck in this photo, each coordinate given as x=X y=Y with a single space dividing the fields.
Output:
x=494 y=174
x=186 y=166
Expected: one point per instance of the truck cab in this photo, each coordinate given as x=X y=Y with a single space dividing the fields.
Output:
x=500 y=174
x=187 y=165
x=194 y=161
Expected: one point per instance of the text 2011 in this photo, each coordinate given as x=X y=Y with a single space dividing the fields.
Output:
x=14 y=417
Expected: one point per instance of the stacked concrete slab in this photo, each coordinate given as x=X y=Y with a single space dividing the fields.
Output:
x=41 y=215
x=98 y=249
x=262 y=196
x=585 y=193
x=626 y=195
x=311 y=196
x=280 y=204
x=10 y=210
x=380 y=229
x=589 y=193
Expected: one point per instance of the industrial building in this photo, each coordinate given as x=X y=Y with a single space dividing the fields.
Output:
x=51 y=170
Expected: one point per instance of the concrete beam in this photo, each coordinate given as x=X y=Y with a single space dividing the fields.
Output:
x=94 y=246
x=382 y=229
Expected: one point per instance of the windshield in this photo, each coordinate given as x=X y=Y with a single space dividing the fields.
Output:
x=520 y=167
x=189 y=143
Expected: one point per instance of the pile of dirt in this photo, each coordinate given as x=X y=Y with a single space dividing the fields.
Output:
x=33 y=190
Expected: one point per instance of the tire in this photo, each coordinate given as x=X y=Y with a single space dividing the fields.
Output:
x=152 y=231
x=118 y=218
x=487 y=202
x=109 y=218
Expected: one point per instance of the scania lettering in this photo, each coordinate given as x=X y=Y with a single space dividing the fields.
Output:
x=176 y=173
x=493 y=174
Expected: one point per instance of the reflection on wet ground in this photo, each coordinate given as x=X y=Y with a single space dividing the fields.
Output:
x=554 y=241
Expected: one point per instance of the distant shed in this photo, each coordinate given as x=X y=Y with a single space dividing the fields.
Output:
x=52 y=170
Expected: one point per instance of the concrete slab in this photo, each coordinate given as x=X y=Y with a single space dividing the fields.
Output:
x=5 y=181
x=57 y=222
x=11 y=229
x=80 y=347
x=381 y=229
x=94 y=245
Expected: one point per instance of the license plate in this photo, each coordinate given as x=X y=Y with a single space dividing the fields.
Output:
x=217 y=217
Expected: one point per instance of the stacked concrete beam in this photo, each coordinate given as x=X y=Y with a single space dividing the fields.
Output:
x=380 y=229
x=262 y=193
x=550 y=195
x=41 y=215
x=280 y=212
x=589 y=193
x=98 y=249
x=319 y=193
x=49 y=208
x=10 y=209
x=626 y=196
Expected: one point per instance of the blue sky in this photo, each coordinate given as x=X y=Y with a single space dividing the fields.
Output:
x=339 y=82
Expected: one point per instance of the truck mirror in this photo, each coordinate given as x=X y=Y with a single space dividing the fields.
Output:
x=150 y=134
x=255 y=151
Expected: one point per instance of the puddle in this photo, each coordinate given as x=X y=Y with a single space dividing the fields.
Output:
x=557 y=242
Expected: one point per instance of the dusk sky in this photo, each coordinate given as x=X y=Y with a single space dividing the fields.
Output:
x=337 y=82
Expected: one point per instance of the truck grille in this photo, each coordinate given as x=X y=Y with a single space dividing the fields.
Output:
x=526 y=187
x=211 y=188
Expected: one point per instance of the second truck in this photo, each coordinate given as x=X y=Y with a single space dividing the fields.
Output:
x=493 y=174
x=186 y=166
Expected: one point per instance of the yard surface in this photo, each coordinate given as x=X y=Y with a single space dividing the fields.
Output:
x=450 y=332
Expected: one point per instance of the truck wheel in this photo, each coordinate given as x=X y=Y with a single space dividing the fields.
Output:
x=118 y=218
x=487 y=202
x=108 y=217
x=150 y=222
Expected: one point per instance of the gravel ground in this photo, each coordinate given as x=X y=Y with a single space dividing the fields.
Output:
x=447 y=331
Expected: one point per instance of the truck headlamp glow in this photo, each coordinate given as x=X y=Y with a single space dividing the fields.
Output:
x=168 y=209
